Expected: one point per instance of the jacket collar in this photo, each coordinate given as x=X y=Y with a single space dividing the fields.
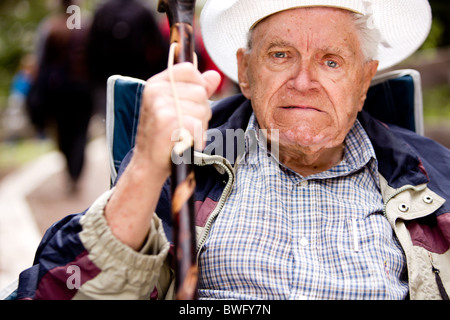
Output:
x=397 y=161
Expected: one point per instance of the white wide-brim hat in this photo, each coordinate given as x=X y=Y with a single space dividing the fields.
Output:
x=404 y=25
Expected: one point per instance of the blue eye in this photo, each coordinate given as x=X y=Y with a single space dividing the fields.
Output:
x=280 y=55
x=332 y=64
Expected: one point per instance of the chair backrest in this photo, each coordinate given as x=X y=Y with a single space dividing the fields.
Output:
x=394 y=97
x=123 y=102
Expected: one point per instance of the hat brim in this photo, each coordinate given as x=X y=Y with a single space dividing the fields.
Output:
x=404 y=26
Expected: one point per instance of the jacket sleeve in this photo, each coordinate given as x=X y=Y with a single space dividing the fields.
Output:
x=80 y=258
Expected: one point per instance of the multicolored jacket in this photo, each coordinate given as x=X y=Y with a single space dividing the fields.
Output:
x=79 y=258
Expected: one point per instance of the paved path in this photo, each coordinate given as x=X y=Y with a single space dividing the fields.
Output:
x=35 y=196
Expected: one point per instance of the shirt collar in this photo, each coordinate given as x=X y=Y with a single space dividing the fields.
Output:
x=358 y=150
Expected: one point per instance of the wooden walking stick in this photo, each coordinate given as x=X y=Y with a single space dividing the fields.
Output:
x=181 y=16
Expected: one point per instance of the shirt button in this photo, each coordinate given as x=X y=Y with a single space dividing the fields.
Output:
x=304 y=242
x=304 y=183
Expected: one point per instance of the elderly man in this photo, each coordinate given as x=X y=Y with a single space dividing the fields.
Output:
x=349 y=208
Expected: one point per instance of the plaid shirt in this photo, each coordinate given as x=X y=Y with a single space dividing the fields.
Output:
x=282 y=236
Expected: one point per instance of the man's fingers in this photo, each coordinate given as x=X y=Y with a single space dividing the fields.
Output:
x=213 y=80
x=187 y=73
x=182 y=72
x=193 y=91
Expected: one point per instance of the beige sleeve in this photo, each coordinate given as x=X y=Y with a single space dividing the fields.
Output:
x=125 y=273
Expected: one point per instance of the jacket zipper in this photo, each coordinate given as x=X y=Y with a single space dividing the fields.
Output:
x=221 y=203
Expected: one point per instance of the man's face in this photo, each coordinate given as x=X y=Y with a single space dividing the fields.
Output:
x=306 y=76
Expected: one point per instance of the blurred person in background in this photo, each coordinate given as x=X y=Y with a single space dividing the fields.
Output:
x=59 y=102
x=124 y=39
x=15 y=119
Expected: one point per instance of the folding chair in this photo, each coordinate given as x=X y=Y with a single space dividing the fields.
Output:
x=396 y=98
x=123 y=102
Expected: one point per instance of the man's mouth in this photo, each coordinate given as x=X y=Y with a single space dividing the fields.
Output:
x=302 y=107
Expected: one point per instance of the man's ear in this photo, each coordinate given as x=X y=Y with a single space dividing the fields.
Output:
x=370 y=70
x=242 y=56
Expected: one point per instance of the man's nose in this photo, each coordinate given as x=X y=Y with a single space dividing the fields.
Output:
x=304 y=77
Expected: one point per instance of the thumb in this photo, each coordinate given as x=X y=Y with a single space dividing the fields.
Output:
x=213 y=80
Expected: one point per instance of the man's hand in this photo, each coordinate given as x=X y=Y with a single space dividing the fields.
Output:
x=159 y=121
x=129 y=211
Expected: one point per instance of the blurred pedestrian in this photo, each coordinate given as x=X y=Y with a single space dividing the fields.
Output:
x=124 y=39
x=60 y=97
x=15 y=119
